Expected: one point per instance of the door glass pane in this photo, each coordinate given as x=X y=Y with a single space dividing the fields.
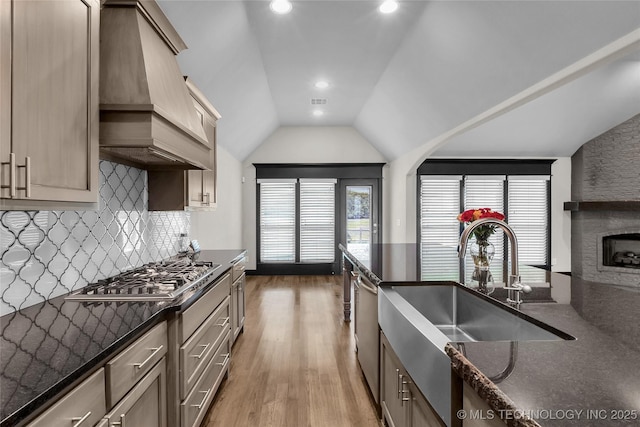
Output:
x=359 y=222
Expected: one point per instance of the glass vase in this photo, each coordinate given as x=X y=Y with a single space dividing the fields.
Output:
x=482 y=252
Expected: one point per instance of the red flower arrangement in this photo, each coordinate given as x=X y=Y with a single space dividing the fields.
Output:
x=483 y=232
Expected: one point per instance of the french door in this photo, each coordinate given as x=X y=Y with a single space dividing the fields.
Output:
x=359 y=219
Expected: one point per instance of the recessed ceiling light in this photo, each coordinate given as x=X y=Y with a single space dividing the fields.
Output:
x=321 y=84
x=281 y=6
x=388 y=6
x=318 y=113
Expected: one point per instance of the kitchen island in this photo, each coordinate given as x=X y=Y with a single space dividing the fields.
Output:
x=47 y=348
x=592 y=380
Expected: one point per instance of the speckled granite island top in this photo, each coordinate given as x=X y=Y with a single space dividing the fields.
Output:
x=591 y=381
x=47 y=347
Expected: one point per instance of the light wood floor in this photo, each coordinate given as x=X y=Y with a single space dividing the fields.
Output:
x=295 y=364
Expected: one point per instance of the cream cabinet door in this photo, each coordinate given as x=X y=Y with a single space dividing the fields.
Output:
x=82 y=407
x=394 y=392
x=145 y=405
x=49 y=149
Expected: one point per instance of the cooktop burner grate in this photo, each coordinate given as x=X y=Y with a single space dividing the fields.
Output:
x=156 y=281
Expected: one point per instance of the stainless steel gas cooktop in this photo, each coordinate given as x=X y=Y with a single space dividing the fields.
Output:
x=156 y=281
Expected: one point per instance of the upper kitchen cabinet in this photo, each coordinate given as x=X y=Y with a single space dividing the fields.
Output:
x=147 y=116
x=49 y=103
x=192 y=189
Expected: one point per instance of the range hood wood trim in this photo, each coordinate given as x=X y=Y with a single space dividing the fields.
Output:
x=202 y=100
x=132 y=129
x=158 y=20
x=612 y=205
x=107 y=109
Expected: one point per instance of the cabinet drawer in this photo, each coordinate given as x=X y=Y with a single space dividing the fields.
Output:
x=145 y=405
x=86 y=402
x=238 y=269
x=193 y=317
x=124 y=370
x=198 y=350
x=194 y=407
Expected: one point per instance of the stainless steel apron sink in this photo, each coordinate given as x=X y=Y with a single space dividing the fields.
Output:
x=420 y=320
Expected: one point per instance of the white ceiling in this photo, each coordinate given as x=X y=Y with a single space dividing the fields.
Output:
x=403 y=79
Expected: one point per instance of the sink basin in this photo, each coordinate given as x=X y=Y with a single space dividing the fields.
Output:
x=420 y=320
x=463 y=316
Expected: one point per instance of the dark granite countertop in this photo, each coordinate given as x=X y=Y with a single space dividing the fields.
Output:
x=591 y=381
x=47 y=347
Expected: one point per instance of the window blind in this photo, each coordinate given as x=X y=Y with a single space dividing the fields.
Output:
x=529 y=218
x=277 y=220
x=439 y=227
x=317 y=220
x=484 y=191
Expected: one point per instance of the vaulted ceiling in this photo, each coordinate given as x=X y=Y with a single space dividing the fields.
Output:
x=405 y=78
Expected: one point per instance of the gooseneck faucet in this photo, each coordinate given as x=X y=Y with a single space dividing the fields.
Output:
x=515 y=287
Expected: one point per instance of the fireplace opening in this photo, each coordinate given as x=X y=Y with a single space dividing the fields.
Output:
x=621 y=250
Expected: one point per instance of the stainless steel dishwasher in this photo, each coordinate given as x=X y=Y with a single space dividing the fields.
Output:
x=367 y=332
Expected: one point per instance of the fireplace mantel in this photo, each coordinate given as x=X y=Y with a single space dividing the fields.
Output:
x=612 y=205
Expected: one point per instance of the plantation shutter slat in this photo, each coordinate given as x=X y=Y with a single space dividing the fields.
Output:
x=317 y=220
x=277 y=220
x=528 y=216
x=439 y=228
x=486 y=192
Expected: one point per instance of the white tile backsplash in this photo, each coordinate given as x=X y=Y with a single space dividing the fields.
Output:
x=49 y=253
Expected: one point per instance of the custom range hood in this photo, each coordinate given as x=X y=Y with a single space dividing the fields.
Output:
x=147 y=117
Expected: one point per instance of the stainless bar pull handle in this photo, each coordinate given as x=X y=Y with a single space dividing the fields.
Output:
x=398 y=382
x=27 y=176
x=226 y=357
x=12 y=175
x=199 y=356
x=119 y=423
x=206 y=396
x=224 y=323
x=208 y=202
x=402 y=392
x=155 y=351
x=79 y=420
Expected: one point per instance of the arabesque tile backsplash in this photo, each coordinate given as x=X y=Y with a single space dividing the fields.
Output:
x=49 y=253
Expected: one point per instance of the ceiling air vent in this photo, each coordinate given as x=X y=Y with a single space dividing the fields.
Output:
x=318 y=101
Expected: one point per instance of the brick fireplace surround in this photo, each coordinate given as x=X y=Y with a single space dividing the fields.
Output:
x=606 y=169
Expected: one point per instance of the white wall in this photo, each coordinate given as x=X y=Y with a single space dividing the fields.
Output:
x=560 y=219
x=222 y=228
x=340 y=144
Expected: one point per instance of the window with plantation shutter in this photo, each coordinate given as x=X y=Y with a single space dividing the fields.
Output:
x=317 y=220
x=485 y=191
x=439 y=228
x=524 y=199
x=528 y=215
x=277 y=220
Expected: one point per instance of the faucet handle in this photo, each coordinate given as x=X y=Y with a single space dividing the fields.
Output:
x=526 y=289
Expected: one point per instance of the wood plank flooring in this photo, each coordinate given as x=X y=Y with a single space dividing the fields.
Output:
x=295 y=364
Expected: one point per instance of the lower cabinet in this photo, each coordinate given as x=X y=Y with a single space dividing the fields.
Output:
x=237 y=307
x=145 y=404
x=403 y=405
x=238 y=277
x=199 y=352
x=129 y=390
x=195 y=405
x=83 y=406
